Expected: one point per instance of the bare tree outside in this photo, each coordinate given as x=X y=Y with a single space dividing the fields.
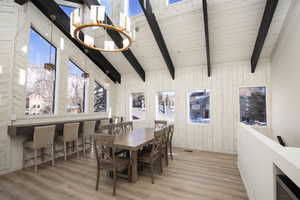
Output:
x=138 y=109
x=253 y=106
x=100 y=98
x=40 y=76
x=166 y=106
x=76 y=89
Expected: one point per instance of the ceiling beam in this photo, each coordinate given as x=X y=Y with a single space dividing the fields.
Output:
x=151 y=19
x=263 y=32
x=117 y=38
x=50 y=8
x=205 y=17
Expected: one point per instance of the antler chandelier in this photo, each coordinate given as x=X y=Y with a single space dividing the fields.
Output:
x=99 y=20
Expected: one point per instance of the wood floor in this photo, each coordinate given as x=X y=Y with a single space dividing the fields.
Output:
x=190 y=176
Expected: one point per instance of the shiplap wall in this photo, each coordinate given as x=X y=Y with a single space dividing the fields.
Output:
x=221 y=134
x=15 y=26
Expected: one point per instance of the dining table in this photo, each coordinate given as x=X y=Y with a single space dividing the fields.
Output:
x=134 y=141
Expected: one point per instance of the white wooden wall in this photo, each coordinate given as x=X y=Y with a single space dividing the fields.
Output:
x=15 y=22
x=221 y=134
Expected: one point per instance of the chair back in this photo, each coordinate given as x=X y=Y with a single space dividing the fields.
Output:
x=106 y=129
x=128 y=126
x=104 y=122
x=160 y=124
x=165 y=135
x=43 y=136
x=157 y=144
x=118 y=129
x=105 y=149
x=116 y=120
x=88 y=128
x=171 y=133
x=71 y=131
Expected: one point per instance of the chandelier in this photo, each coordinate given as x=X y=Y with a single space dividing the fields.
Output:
x=99 y=20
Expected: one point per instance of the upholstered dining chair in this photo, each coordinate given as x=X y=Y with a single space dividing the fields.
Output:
x=70 y=134
x=43 y=137
x=118 y=129
x=88 y=131
x=155 y=154
x=159 y=124
x=107 y=159
x=128 y=126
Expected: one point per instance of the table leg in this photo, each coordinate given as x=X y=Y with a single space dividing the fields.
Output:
x=134 y=166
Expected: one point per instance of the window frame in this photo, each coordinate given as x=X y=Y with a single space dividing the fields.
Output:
x=71 y=4
x=157 y=104
x=131 y=107
x=85 y=107
x=54 y=111
x=188 y=109
x=267 y=106
x=106 y=98
x=168 y=4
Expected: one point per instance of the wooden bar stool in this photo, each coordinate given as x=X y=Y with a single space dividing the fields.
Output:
x=43 y=138
x=70 y=134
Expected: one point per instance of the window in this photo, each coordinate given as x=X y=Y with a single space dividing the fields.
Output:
x=67 y=9
x=138 y=109
x=76 y=89
x=100 y=99
x=40 y=85
x=199 y=106
x=165 y=106
x=134 y=8
x=253 y=106
x=174 y=1
x=108 y=6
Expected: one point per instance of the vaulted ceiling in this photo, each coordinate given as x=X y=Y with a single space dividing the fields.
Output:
x=233 y=28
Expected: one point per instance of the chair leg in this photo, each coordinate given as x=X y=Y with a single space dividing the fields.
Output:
x=152 y=173
x=65 y=150
x=161 y=165
x=171 y=153
x=115 y=181
x=53 y=157
x=98 y=178
x=166 y=156
x=77 y=148
x=35 y=160
x=84 y=146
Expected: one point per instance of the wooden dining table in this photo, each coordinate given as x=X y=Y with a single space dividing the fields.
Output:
x=134 y=141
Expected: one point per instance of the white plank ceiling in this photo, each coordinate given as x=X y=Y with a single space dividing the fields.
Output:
x=233 y=30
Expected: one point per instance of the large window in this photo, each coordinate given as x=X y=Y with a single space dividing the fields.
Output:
x=199 y=106
x=40 y=84
x=67 y=9
x=137 y=108
x=134 y=8
x=76 y=89
x=173 y=1
x=165 y=106
x=100 y=98
x=253 y=105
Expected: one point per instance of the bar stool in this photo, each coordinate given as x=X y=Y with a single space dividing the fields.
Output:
x=87 y=134
x=43 y=138
x=70 y=134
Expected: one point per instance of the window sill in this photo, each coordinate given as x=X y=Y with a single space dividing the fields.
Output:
x=199 y=124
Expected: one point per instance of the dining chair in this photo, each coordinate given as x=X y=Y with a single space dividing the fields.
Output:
x=106 y=159
x=106 y=129
x=118 y=129
x=170 y=146
x=88 y=131
x=155 y=154
x=43 y=137
x=165 y=144
x=128 y=126
x=104 y=122
x=70 y=134
x=160 y=124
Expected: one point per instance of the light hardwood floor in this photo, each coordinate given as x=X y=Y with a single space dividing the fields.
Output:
x=190 y=176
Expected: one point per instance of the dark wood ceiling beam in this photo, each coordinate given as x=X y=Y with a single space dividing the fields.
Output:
x=270 y=8
x=117 y=38
x=205 y=17
x=151 y=19
x=50 y=8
